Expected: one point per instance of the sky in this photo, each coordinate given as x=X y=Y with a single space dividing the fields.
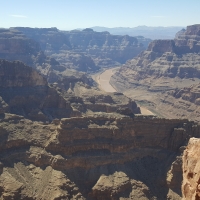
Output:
x=72 y=14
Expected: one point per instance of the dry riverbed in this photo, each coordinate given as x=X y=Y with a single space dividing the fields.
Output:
x=103 y=80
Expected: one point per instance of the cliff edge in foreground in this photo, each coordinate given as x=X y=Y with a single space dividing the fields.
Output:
x=191 y=170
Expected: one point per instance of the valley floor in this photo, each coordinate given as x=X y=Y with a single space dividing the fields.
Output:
x=103 y=81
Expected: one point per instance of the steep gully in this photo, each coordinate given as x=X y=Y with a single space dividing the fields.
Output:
x=103 y=81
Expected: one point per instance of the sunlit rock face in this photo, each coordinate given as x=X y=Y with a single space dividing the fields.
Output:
x=49 y=150
x=168 y=72
x=191 y=174
x=165 y=59
x=92 y=157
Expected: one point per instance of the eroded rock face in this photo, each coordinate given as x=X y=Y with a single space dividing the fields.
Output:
x=16 y=74
x=164 y=61
x=14 y=45
x=165 y=77
x=109 y=187
x=99 y=48
x=25 y=92
x=188 y=41
x=14 y=42
x=73 y=157
x=161 y=46
x=191 y=94
x=191 y=176
x=68 y=157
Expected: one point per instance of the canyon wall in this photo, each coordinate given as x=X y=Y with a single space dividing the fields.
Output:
x=94 y=157
x=191 y=176
x=85 y=50
x=168 y=61
x=165 y=77
x=57 y=145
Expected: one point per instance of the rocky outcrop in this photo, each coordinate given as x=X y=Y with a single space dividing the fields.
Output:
x=93 y=157
x=100 y=139
x=85 y=98
x=16 y=46
x=167 y=61
x=99 y=48
x=189 y=40
x=161 y=46
x=109 y=187
x=16 y=74
x=191 y=176
x=25 y=92
x=165 y=77
x=191 y=94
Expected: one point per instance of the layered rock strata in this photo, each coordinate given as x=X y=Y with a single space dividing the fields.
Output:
x=165 y=64
x=87 y=49
x=25 y=92
x=191 y=175
x=165 y=77
x=93 y=157
x=14 y=45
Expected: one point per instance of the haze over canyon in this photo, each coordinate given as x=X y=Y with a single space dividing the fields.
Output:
x=100 y=113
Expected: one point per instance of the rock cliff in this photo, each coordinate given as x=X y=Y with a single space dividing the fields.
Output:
x=166 y=65
x=69 y=140
x=25 y=92
x=168 y=61
x=191 y=176
x=93 y=157
x=16 y=46
x=100 y=49
x=58 y=144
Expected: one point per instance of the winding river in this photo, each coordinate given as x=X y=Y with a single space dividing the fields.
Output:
x=103 y=80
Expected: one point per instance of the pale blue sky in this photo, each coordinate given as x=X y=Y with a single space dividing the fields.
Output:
x=71 y=14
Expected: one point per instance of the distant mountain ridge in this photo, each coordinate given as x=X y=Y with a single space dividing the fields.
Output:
x=159 y=32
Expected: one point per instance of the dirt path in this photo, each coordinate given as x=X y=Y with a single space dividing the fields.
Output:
x=103 y=80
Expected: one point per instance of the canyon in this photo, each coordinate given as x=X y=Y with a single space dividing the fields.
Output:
x=65 y=136
x=84 y=50
x=158 y=76
x=52 y=148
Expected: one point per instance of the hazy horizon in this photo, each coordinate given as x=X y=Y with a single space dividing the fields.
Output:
x=68 y=14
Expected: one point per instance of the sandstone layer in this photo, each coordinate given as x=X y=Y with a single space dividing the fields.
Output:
x=191 y=175
x=25 y=92
x=166 y=65
x=63 y=138
x=82 y=143
x=14 y=45
x=93 y=157
x=85 y=50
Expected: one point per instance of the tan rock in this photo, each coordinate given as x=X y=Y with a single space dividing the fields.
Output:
x=109 y=187
x=191 y=174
